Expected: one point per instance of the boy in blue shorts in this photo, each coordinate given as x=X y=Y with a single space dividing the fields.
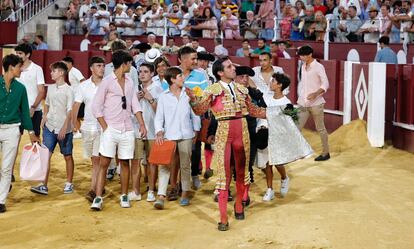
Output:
x=57 y=125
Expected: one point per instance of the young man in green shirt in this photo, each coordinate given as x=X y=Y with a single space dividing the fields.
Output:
x=14 y=111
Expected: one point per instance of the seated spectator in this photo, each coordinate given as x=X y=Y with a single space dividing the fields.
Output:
x=348 y=3
x=208 y=24
x=159 y=22
x=105 y=40
x=309 y=20
x=196 y=45
x=318 y=6
x=203 y=5
x=72 y=19
x=319 y=27
x=171 y=48
x=174 y=16
x=195 y=20
x=297 y=31
x=340 y=24
x=261 y=47
x=151 y=41
x=227 y=4
x=286 y=23
x=84 y=13
x=370 y=29
x=185 y=41
x=41 y=45
x=386 y=54
x=129 y=23
x=300 y=7
x=6 y=9
x=250 y=28
x=139 y=26
x=266 y=16
x=352 y=25
x=27 y=39
x=184 y=25
x=219 y=50
x=103 y=16
x=385 y=20
x=92 y=26
x=395 y=36
x=246 y=6
x=330 y=7
x=230 y=25
x=119 y=18
x=245 y=50
x=149 y=17
x=405 y=18
x=366 y=5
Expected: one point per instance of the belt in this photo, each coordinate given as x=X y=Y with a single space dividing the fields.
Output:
x=230 y=118
x=6 y=126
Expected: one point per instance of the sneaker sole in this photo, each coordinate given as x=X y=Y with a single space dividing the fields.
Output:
x=125 y=206
x=151 y=200
x=38 y=192
x=96 y=208
x=68 y=192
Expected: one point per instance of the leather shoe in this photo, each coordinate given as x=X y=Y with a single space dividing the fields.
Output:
x=2 y=208
x=322 y=157
x=223 y=227
x=246 y=203
x=238 y=216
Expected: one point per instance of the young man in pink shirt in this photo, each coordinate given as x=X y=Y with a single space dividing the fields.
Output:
x=312 y=85
x=113 y=104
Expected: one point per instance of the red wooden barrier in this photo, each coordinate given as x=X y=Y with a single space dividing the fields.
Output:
x=242 y=61
x=172 y=59
x=51 y=57
x=38 y=57
x=1 y=61
x=8 y=33
x=290 y=67
x=331 y=96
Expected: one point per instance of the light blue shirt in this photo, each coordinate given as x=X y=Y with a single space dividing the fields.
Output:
x=386 y=55
x=196 y=78
x=175 y=117
x=42 y=46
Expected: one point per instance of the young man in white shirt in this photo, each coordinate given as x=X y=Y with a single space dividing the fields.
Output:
x=175 y=121
x=33 y=79
x=57 y=125
x=91 y=131
x=148 y=93
x=75 y=78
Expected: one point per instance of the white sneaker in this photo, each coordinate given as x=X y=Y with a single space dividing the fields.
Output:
x=151 y=196
x=284 y=186
x=132 y=196
x=270 y=195
x=97 y=203
x=77 y=135
x=196 y=182
x=68 y=189
x=124 y=201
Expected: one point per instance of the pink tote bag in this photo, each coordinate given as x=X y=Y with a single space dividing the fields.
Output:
x=34 y=162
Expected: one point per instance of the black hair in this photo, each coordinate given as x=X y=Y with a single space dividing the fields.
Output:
x=283 y=79
x=305 y=50
x=172 y=73
x=245 y=40
x=194 y=39
x=120 y=57
x=186 y=50
x=387 y=6
x=150 y=66
x=40 y=37
x=102 y=6
x=11 y=60
x=262 y=39
x=68 y=59
x=25 y=48
x=59 y=65
x=184 y=9
x=118 y=45
x=267 y=53
x=384 y=40
x=352 y=7
x=218 y=66
x=95 y=60
x=159 y=60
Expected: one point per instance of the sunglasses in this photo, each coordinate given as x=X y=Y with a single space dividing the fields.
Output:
x=123 y=98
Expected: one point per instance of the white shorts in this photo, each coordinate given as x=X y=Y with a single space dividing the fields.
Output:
x=112 y=139
x=90 y=143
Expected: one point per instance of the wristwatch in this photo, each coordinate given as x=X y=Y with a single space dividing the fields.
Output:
x=151 y=101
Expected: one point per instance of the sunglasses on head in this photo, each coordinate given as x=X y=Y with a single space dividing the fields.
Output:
x=123 y=102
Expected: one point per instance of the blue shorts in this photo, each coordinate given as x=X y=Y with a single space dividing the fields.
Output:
x=267 y=34
x=50 y=140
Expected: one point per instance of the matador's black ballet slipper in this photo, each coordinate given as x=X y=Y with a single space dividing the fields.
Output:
x=223 y=227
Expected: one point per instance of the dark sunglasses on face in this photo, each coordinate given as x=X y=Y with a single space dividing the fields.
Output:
x=123 y=102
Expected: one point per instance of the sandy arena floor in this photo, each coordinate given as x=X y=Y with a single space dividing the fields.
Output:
x=362 y=198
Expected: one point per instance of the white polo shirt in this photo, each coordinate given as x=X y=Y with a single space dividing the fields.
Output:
x=31 y=77
x=75 y=77
x=148 y=113
x=85 y=94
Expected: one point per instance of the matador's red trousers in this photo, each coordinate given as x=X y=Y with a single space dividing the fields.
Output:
x=234 y=156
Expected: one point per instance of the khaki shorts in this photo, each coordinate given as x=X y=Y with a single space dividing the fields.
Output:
x=141 y=147
x=91 y=141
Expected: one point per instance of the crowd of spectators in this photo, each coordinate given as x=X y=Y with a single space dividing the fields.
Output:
x=344 y=20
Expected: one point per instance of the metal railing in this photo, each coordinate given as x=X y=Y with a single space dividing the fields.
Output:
x=29 y=10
